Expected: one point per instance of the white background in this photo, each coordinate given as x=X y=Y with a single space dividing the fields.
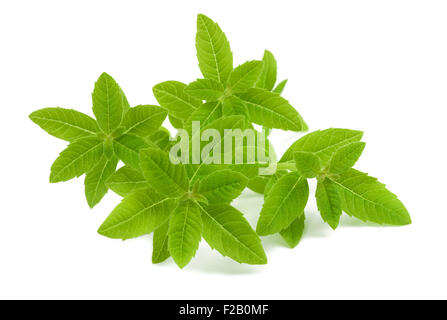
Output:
x=377 y=66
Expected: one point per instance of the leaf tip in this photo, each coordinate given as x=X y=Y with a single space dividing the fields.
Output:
x=291 y=245
x=304 y=126
x=158 y=260
x=181 y=263
x=201 y=16
x=263 y=259
x=54 y=178
x=267 y=52
x=407 y=220
x=32 y=115
x=104 y=75
x=102 y=231
x=92 y=203
x=333 y=225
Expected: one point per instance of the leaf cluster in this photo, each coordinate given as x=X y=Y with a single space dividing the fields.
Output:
x=183 y=203
x=327 y=156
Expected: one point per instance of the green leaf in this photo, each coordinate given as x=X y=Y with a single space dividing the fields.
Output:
x=109 y=103
x=108 y=148
x=205 y=89
x=308 y=164
x=171 y=95
x=65 y=124
x=168 y=178
x=226 y=230
x=76 y=159
x=160 y=252
x=329 y=202
x=127 y=180
x=144 y=121
x=138 y=214
x=284 y=203
x=198 y=172
x=273 y=179
x=221 y=125
x=323 y=143
x=185 y=232
x=195 y=197
x=244 y=157
x=244 y=76
x=222 y=186
x=293 y=233
x=346 y=157
x=126 y=105
x=258 y=183
x=367 y=199
x=267 y=78
x=206 y=114
x=213 y=50
x=271 y=110
x=161 y=138
x=280 y=87
x=128 y=147
x=95 y=180
x=232 y=105
x=176 y=122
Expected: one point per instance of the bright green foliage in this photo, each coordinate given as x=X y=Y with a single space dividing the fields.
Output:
x=226 y=230
x=96 y=146
x=185 y=232
x=267 y=79
x=327 y=155
x=183 y=202
x=271 y=110
x=205 y=89
x=185 y=206
x=222 y=186
x=127 y=147
x=162 y=139
x=176 y=122
x=65 y=124
x=77 y=159
x=323 y=143
x=108 y=148
x=127 y=180
x=258 y=183
x=293 y=233
x=213 y=50
x=273 y=179
x=246 y=90
x=109 y=103
x=308 y=165
x=244 y=76
x=167 y=178
x=366 y=198
x=346 y=157
x=206 y=114
x=329 y=202
x=95 y=180
x=233 y=105
x=221 y=125
x=280 y=87
x=171 y=96
x=160 y=252
x=138 y=214
x=284 y=203
x=143 y=121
